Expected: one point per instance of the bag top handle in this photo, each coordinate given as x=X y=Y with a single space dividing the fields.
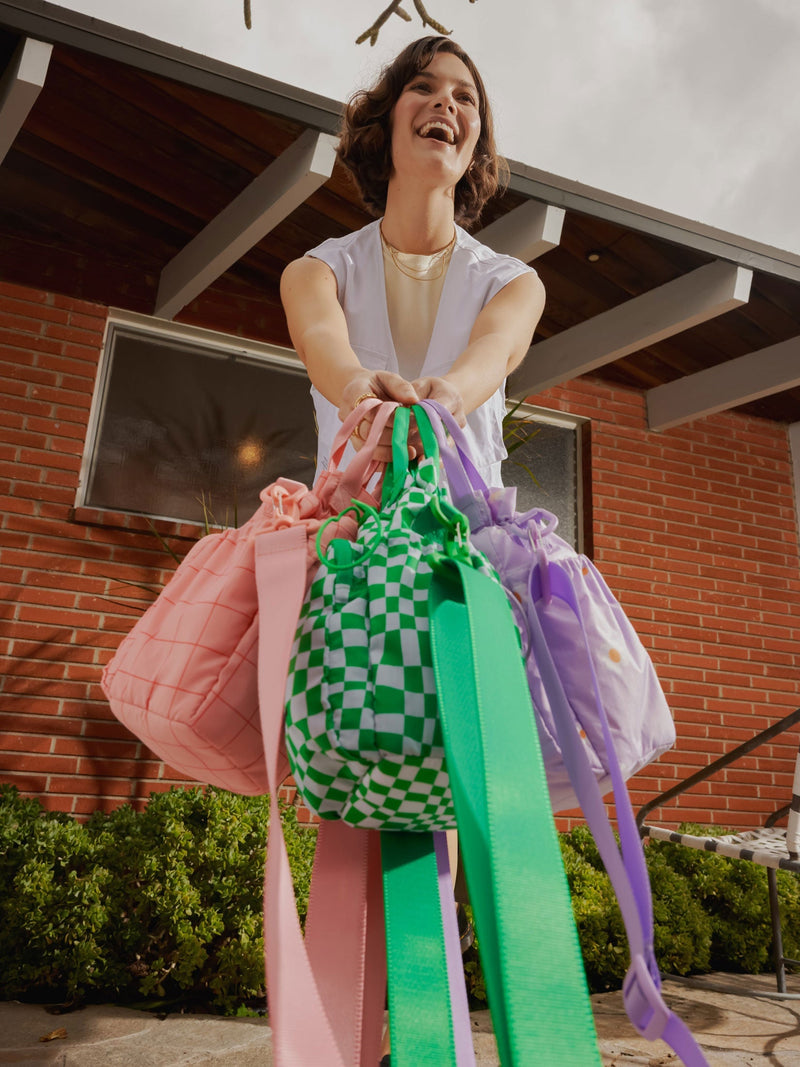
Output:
x=395 y=476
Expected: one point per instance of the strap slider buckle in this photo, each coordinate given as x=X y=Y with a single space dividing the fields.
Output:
x=643 y=1002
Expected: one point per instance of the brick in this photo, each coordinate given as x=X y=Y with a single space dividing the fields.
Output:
x=35 y=716
x=24 y=743
x=89 y=805
x=94 y=748
x=52 y=687
x=67 y=434
x=79 y=307
x=89 y=354
x=62 y=399
x=27 y=784
x=41 y=764
x=17 y=670
x=111 y=729
x=103 y=769
x=58 y=332
x=83 y=371
x=24 y=324
x=89 y=786
x=12 y=291
x=39 y=458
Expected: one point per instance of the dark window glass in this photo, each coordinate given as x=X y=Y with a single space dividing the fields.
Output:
x=543 y=465
x=191 y=432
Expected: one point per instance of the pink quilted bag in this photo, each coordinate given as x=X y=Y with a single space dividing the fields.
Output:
x=185 y=679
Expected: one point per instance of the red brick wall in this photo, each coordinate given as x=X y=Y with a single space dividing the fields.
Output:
x=59 y=579
x=694 y=529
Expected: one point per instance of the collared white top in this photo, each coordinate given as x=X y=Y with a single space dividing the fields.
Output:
x=474 y=276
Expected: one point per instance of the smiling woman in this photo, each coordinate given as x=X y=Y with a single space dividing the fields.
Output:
x=366 y=144
x=411 y=307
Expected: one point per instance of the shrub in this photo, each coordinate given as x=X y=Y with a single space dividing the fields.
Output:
x=597 y=915
x=163 y=908
x=733 y=896
x=165 y=904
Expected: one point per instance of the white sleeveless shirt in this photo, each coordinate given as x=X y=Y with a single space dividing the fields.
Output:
x=474 y=276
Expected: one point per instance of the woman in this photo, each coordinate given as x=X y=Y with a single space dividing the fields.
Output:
x=411 y=307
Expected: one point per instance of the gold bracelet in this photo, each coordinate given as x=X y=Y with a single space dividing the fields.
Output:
x=364 y=396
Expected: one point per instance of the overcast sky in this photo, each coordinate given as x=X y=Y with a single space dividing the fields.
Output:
x=691 y=106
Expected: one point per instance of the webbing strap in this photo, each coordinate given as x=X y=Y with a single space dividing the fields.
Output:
x=419 y=992
x=529 y=946
x=626 y=865
x=326 y=994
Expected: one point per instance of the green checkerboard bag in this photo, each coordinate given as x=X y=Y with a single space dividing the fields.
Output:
x=362 y=727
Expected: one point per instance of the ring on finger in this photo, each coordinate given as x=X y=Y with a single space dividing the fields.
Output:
x=362 y=398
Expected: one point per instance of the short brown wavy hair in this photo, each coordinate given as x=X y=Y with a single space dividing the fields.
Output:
x=365 y=142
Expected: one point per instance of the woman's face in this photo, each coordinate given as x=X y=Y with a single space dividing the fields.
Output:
x=436 y=122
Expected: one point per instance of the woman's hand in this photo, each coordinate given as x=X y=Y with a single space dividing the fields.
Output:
x=445 y=393
x=385 y=386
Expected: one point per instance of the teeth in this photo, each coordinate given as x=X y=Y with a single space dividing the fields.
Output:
x=436 y=125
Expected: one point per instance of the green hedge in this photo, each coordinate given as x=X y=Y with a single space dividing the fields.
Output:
x=163 y=908
x=158 y=907
x=711 y=913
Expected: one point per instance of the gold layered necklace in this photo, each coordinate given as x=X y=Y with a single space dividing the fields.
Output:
x=433 y=266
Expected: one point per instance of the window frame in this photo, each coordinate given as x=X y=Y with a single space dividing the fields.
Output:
x=582 y=426
x=130 y=322
x=122 y=321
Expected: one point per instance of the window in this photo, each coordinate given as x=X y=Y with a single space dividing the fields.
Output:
x=545 y=464
x=189 y=424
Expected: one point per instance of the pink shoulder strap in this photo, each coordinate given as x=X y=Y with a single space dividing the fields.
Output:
x=326 y=992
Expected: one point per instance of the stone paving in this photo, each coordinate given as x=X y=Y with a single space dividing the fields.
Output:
x=734 y=1030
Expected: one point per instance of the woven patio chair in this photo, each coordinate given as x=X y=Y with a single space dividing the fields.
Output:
x=770 y=846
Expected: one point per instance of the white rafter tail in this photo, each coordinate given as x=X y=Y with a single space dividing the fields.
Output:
x=641 y=321
x=270 y=198
x=728 y=385
x=20 y=85
x=526 y=232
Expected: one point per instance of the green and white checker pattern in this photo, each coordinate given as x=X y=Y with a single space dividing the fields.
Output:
x=362 y=728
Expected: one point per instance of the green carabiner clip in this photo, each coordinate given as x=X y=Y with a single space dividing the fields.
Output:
x=364 y=511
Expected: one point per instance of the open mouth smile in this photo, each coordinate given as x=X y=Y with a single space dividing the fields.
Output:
x=438 y=130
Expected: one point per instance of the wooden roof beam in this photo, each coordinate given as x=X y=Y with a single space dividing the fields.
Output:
x=737 y=381
x=641 y=321
x=527 y=231
x=20 y=85
x=268 y=199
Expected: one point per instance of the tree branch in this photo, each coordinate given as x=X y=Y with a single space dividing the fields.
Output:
x=373 y=31
x=428 y=21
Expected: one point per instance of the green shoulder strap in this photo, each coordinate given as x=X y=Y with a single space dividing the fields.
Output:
x=419 y=992
x=420 y=1013
x=529 y=947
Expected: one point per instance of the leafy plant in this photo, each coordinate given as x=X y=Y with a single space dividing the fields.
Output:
x=161 y=906
x=733 y=896
x=518 y=430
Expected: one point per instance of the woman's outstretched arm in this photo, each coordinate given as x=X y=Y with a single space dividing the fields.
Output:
x=318 y=330
x=497 y=345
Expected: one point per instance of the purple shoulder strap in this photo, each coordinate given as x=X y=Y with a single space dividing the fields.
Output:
x=625 y=863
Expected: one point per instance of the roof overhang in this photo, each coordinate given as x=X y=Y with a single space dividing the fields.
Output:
x=528 y=231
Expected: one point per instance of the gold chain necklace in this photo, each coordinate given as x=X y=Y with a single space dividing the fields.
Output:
x=438 y=259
